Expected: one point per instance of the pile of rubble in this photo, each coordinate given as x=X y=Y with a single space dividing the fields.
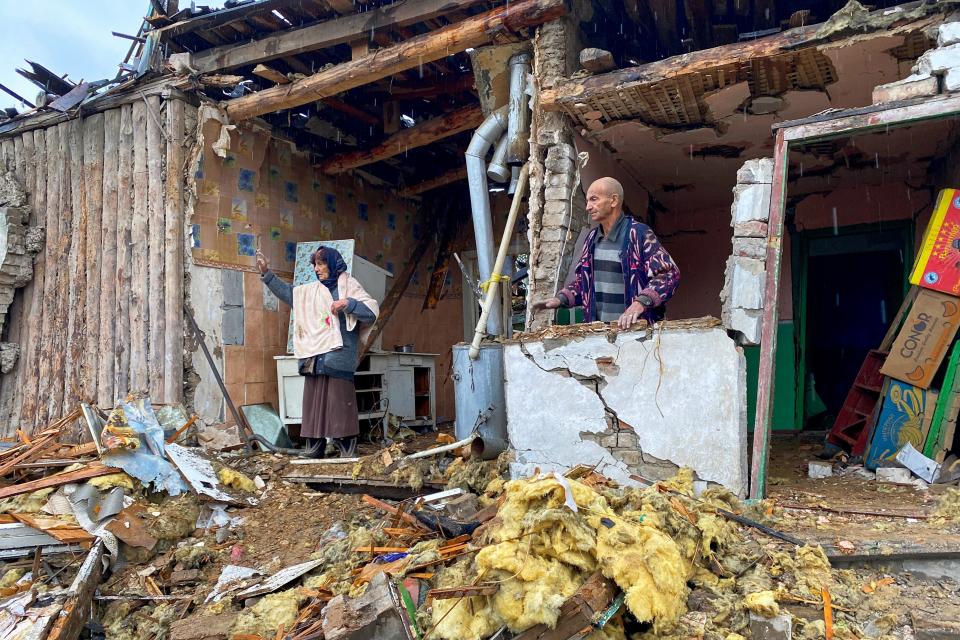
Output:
x=140 y=537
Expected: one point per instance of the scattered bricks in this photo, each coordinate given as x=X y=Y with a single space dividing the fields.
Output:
x=597 y=60
x=752 y=229
x=937 y=61
x=779 y=628
x=948 y=34
x=758 y=171
x=893 y=475
x=750 y=248
x=818 y=469
x=750 y=202
x=951 y=80
x=915 y=86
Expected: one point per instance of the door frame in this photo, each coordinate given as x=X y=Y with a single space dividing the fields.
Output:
x=849 y=239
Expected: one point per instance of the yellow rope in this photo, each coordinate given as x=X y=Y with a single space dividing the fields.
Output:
x=494 y=277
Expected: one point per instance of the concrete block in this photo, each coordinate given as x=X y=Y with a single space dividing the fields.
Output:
x=948 y=34
x=561 y=151
x=755 y=248
x=747 y=322
x=747 y=281
x=779 y=628
x=894 y=475
x=609 y=441
x=564 y=179
x=915 y=86
x=756 y=171
x=556 y=193
x=750 y=202
x=547 y=136
x=630 y=457
x=937 y=61
x=597 y=60
x=558 y=165
x=552 y=235
x=753 y=229
x=818 y=469
x=951 y=80
x=628 y=439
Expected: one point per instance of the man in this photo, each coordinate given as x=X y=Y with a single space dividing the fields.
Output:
x=624 y=274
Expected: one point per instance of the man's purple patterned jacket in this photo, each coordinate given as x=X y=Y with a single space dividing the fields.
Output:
x=647 y=269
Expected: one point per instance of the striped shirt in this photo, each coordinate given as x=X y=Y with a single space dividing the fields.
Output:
x=608 y=268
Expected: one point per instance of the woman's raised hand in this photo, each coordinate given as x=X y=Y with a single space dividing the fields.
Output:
x=262 y=263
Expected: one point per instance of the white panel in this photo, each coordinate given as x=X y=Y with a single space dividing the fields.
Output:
x=400 y=391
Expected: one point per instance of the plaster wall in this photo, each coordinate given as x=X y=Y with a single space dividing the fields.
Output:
x=637 y=404
x=206 y=301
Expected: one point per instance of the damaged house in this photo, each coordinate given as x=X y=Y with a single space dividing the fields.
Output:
x=797 y=161
x=261 y=126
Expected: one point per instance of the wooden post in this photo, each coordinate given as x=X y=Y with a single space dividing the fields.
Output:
x=156 y=150
x=93 y=151
x=173 y=268
x=31 y=378
x=768 y=327
x=75 y=264
x=106 y=394
x=417 y=136
x=122 y=345
x=139 y=258
x=472 y=32
x=78 y=606
x=61 y=295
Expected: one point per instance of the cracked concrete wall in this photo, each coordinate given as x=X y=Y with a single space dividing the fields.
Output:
x=638 y=403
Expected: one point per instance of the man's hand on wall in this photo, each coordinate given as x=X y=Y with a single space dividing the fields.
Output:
x=631 y=315
x=550 y=303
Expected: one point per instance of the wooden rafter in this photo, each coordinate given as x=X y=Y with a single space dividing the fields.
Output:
x=417 y=136
x=434 y=183
x=221 y=18
x=350 y=28
x=434 y=45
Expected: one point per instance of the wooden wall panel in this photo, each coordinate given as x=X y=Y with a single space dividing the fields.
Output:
x=103 y=314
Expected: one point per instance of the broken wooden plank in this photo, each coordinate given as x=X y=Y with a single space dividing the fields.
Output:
x=472 y=32
x=578 y=613
x=94 y=470
x=76 y=610
x=420 y=135
x=325 y=34
x=463 y=592
x=271 y=74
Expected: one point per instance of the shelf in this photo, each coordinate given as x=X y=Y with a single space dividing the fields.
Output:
x=366 y=390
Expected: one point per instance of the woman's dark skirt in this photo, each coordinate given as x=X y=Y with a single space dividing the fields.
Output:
x=329 y=408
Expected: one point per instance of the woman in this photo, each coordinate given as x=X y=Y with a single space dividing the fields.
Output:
x=331 y=317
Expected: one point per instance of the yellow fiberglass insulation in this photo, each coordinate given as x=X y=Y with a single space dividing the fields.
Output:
x=763 y=603
x=540 y=552
x=236 y=480
x=269 y=614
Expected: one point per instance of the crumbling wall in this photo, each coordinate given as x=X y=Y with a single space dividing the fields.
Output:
x=19 y=243
x=634 y=402
x=556 y=205
x=742 y=295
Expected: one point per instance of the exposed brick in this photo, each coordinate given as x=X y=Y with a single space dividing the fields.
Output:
x=559 y=165
x=750 y=248
x=951 y=80
x=937 y=61
x=556 y=193
x=751 y=229
x=757 y=171
x=627 y=438
x=559 y=179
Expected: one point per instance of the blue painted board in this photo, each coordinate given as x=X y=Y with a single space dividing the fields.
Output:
x=900 y=421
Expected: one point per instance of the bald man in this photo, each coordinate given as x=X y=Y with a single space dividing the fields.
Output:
x=624 y=274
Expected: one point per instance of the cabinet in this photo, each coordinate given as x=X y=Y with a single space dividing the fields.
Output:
x=404 y=384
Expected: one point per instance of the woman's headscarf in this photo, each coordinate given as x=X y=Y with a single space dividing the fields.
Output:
x=335 y=264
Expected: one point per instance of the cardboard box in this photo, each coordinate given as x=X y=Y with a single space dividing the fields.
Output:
x=938 y=263
x=923 y=341
x=901 y=420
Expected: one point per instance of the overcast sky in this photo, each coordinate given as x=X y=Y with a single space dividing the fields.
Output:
x=66 y=36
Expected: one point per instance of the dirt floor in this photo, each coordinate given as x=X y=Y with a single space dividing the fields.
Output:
x=847 y=509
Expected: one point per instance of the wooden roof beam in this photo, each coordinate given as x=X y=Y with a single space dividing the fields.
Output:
x=473 y=32
x=456 y=175
x=420 y=135
x=220 y=18
x=573 y=91
x=324 y=34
